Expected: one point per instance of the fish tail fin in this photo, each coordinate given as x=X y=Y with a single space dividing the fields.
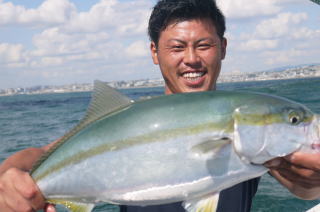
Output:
x=73 y=206
x=205 y=204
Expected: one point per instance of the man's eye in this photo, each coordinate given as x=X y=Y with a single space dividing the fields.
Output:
x=177 y=48
x=204 y=46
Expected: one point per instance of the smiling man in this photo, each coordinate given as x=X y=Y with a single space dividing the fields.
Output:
x=189 y=54
x=188 y=44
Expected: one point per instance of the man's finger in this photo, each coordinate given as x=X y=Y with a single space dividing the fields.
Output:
x=14 y=200
x=297 y=178
x=296 y=189
x=49 y=208
x=29 y=190
x=3 y=203
x=306 y=160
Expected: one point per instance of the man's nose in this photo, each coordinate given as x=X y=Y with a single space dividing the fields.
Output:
x=191 y=57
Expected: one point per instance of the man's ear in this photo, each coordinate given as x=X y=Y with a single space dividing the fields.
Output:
x=223 y=48
x=154 y=53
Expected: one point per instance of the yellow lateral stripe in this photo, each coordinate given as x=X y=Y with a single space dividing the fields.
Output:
x=142 y=139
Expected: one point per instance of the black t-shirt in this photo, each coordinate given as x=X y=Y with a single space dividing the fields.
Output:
x=234 y=199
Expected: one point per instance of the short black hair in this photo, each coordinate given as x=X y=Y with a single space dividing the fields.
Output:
x=167 y=11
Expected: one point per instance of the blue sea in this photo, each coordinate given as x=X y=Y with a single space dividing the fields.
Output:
x=36 y=120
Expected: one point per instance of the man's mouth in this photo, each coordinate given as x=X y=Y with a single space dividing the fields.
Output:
x=193 y=76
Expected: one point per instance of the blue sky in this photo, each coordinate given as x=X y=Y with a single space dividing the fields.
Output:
x=56 y=42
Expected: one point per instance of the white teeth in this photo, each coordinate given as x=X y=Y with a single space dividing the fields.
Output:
x=193 y=74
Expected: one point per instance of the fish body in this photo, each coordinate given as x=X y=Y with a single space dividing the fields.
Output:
x=182 y=147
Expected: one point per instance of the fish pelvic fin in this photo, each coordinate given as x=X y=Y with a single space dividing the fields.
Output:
x=73 y=206
x=206 y=204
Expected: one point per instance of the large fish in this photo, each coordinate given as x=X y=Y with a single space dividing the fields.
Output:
x=182 y=147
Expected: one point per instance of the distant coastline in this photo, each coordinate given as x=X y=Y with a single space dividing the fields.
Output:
x=303 y=71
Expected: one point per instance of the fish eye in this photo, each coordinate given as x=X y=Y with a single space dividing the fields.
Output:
x=294 y=118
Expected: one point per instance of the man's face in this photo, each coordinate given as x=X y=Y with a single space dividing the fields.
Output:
x=189 y=54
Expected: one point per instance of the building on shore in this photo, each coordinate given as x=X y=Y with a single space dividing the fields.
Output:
x=289 y=73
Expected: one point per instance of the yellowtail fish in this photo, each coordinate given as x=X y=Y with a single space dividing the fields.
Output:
x=182 y=147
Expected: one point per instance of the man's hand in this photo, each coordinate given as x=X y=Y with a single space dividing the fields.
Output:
x=299 y=172
x=18 y=191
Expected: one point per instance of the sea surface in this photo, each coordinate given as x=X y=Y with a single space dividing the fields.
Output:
x=36 y=120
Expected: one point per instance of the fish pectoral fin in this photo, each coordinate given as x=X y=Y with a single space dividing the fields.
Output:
x=73 y=206
x=205 y=204
x=211 y=145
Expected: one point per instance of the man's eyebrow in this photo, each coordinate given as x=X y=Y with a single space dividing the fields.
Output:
x=197 y=41
x=205 y=39
x=176 y=40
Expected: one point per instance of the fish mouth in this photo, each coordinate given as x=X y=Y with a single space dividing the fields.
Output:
x=316 y=143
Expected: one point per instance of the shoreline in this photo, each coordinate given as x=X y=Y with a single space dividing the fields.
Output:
x=44 y=91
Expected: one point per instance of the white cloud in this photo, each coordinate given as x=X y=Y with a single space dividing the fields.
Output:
x=112 y=15
x=103 y=33
x=279 y=26
x=247 y=8
x=54 y=42
x=98 y=17
x=52 y=61
x=283 y=57
x=236 y=9
x=305 y=33
x=137 y=49
x=257 y=45
x=10 y=53
x=49 y=12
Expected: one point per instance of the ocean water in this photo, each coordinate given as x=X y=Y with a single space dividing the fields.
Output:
x=36 y=120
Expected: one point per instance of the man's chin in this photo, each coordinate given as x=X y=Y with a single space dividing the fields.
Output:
x=184 y=88
x=196 y=89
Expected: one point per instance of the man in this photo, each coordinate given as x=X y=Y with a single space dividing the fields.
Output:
x=187 y=42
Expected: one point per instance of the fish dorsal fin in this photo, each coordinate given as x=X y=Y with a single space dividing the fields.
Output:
x=205 y=204
x=104 y=101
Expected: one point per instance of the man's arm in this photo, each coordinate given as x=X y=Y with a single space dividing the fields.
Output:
x=18 y=191
x=299 y=172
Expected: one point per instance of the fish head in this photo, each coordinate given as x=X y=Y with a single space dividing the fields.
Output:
x=273 y=128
